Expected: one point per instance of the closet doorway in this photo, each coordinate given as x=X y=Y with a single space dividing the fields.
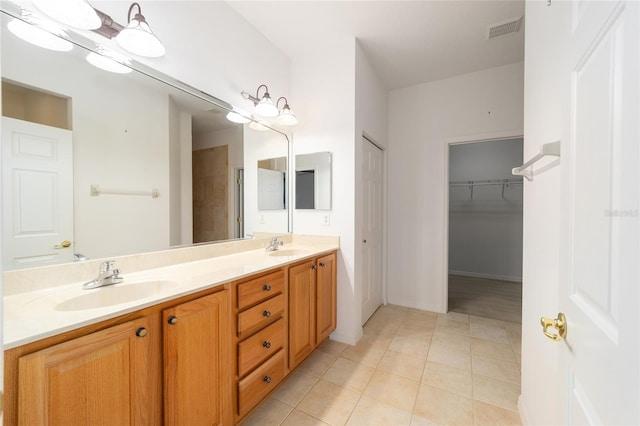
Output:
x=485 y=229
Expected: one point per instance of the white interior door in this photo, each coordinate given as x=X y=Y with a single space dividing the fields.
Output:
x=37 y=193
x=371 y=229
x=270 y=190
x=599 y=273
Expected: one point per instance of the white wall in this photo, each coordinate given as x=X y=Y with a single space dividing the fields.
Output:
x=180 y=177
x=338 y=98
x=423 y=119
x=485 y=226
x=323 y=85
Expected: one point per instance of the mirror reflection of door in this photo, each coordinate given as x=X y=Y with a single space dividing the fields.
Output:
x=305 y=189
x=37 y=178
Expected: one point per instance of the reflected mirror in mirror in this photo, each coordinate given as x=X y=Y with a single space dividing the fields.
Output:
x=272 y=184
x=108 y=164
x=313 y=181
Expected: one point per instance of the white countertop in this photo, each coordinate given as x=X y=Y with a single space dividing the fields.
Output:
x=33 y=315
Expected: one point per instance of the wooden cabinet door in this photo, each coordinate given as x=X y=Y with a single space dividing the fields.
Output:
x=99 y=379
x=301 y=311
x=197 y=362
x=325 y=297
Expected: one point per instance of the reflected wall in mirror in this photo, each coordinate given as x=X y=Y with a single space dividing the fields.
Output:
x=313 y=181
x=162 y=154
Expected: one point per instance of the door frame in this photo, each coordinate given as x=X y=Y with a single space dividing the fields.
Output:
x=448 y=142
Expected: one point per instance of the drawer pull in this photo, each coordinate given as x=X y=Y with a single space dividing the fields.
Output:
x=266 y=287
x=266 y=344
x=267 y=379
x=141 y=332
x=314 y=267
x=322 y=264
x=173 y=320
x=266 y=314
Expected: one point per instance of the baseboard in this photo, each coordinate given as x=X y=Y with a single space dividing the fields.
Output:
x=524 y=416
x=488 y=276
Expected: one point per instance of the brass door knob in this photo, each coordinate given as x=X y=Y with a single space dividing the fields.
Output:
x=560 y=324
x=141 y=332
x=173 y=320
x=63 y=244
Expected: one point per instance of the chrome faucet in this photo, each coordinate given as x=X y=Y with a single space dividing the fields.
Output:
x=107 y=275
x=273 y=246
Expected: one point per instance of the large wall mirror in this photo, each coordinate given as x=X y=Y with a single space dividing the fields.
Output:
x=313 y=181
x=107 y=164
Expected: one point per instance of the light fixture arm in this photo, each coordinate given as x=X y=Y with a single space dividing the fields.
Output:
x=255 y=99
x=138 y=16
x=286 y=102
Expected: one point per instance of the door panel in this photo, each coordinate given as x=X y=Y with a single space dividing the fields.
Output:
x=37 y=193
x=600 y=237
x=371 y=229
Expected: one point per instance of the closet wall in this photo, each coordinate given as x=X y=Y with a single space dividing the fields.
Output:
x=485 y=214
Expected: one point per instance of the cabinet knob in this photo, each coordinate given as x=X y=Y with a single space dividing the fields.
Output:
x=266 y=287
x=173 y=320
x=267 y=379
x=266 y=314
x=266 y=344
x=314 y=267
x=141 y=332
x=322 y=264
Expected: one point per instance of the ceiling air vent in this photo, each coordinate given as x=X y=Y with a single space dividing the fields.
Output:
x=504 y=28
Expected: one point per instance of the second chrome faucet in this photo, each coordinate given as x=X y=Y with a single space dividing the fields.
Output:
x=107 y=275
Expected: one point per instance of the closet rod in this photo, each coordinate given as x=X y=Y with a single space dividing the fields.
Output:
x=495 y=182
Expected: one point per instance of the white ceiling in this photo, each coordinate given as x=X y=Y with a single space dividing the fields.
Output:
x=407 y=42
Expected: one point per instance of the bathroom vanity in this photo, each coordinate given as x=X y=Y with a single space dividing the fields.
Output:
x=204 y=343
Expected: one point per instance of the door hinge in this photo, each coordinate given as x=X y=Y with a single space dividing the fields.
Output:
x=239 y=219
x=239 y=181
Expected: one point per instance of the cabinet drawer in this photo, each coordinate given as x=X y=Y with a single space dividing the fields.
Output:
x=260 y=346
x=258 y=384
x=260 y=315
x=254 y=291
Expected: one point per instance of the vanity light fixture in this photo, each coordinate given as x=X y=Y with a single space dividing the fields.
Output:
x=39 y=32
x=137 y=37
x=264 y=106
x=237 y=116
x=73 y=13
x=286 y=117
x=108 y=60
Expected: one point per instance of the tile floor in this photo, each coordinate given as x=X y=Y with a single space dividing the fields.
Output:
x=411 y=367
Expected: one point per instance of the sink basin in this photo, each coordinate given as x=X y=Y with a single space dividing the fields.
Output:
x=115 y=295
x=289 y=252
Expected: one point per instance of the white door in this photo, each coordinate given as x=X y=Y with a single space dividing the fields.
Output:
x=37 y=193
x=599 y=255
x=270 y=190
x=371 y=229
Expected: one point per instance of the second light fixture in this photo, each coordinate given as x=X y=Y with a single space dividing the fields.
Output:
x=264 y=107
